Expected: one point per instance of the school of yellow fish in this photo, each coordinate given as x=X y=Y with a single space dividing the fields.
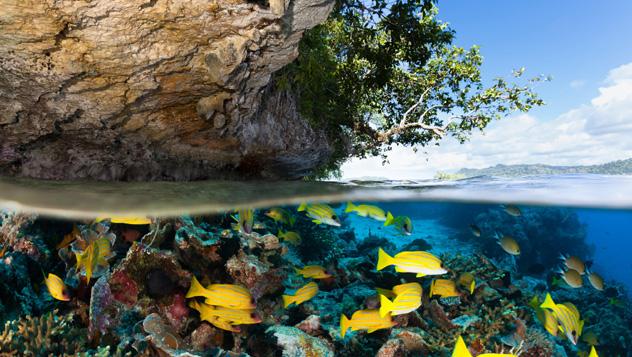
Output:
x=227 y=306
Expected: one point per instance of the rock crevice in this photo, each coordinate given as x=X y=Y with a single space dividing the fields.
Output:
x=153 y=90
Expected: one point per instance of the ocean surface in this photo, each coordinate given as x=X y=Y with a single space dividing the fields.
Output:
x=128 y=256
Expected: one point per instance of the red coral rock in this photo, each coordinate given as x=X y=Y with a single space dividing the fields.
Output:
x=439 y=317
x=392 y=348
x=311 y=325
x=177 y=312
x=124 y=288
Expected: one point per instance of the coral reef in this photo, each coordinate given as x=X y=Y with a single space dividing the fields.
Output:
x=49 y=334
x=136 y=306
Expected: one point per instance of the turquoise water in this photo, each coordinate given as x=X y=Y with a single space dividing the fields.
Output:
x=139 y=298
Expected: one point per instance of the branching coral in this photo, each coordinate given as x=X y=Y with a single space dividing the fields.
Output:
x=49 y=334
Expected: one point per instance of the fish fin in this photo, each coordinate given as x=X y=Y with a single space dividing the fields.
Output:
x=373 y=329
x=389 y=219
x=593 y=352
x=383 y=259
x=196 y=289
x=302 y=207
x=287 y=300
x=350 y=207
x=431 y=292
x=298 y=271
x=548 y=302
x=472 y=287
x=317 y=221
x=420 y=275
x=386 y=305
x=460 y=349
x=345 y=323
x=581 y=327
x=280 y=233
x=292 y=221
x=560 y=328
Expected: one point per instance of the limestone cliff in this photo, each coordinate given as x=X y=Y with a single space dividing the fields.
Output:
x=153 y=89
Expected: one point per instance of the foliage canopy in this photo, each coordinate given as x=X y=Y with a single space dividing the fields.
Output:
x=383 y=72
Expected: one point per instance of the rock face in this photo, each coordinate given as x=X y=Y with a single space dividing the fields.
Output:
x=153 y=89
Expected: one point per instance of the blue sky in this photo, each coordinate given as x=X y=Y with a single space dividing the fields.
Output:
x=570 y=40
x=583 y=45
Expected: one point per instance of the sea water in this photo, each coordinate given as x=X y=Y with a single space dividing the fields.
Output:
x=136 y=304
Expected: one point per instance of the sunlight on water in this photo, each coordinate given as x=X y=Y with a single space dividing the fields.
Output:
x=85 y=199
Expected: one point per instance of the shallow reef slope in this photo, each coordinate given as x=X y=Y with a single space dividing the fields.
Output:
x=153 y=89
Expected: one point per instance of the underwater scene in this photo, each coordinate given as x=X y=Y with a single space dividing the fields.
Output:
x=408 y=278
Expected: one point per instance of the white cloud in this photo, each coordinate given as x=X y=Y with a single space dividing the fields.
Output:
x=596 y=132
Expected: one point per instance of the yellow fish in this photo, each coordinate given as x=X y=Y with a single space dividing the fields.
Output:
x=593 y=352
x=467 y=281
x=245 y=220
x=320 y=213
x=301 y=295
x=402 y=224
x=405 y=301
x=69 y=238
x=222 y=324
x=94 y=258
x=234 y=316
x=214 y=320
x=313 y=271
x=227 y=295
x=444 y=288
x=56 y=287
x=460 y=350
x=567 y=317
x=545 y=316
x=508 y=244
x=422 y=263
x=572 y=278
x=281 y=215
x=595 y=280
x=369 y=320
x=291 y=237
x=512 y=210
x=370 y=211
x=388 y=293
x=137 y=221
x=573 y=262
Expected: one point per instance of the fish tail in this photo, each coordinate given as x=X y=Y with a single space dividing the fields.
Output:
x=548 y=302
x=460 y=350
x=302 y=207
x=389 y=219
x=432 y=284
x=287 y=300
x=280 y=233
x=350 y=207
x=383 y=259
x=196 y=289
x=386 y=305
x=297 y=270
x=345 y=323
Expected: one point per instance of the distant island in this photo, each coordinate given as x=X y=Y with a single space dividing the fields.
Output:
x=619 y=167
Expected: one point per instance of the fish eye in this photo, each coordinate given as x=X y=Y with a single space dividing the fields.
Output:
x=334 y=217
x=253 y=315
x=573 y=333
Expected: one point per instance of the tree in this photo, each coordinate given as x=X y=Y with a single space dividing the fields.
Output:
x=382 y=72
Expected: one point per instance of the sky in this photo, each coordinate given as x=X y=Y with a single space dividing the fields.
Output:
x=583 y=45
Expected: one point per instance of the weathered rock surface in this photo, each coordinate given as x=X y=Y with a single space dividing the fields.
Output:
x=153 y=89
